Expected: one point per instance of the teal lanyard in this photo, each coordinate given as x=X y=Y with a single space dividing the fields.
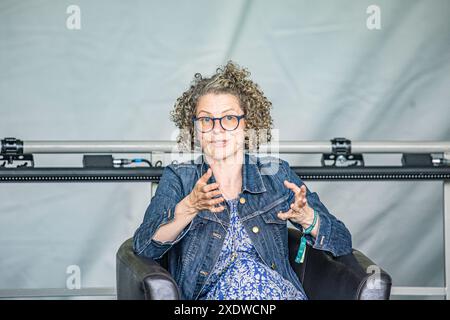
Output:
x=301 y=249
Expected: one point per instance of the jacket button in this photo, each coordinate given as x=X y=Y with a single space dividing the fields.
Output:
x=273 y=266
x=203 y=273
x=242 y=200
x=255 y=229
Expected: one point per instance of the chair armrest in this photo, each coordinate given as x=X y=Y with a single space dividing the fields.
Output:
x=140 y=278
x=348 y=277
x=377 y=283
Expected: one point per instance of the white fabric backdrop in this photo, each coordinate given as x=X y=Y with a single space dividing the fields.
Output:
x=119 y=75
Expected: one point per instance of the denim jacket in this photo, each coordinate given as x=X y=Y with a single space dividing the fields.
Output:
x=194 y=252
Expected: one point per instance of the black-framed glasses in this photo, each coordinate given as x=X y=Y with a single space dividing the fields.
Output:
x=229 y=122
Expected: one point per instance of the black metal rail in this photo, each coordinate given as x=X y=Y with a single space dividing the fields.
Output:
x=144 y=174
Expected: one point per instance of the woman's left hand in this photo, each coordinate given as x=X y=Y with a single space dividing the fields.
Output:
x=300 y=212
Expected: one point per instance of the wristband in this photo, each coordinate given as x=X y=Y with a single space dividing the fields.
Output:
x=301 y=249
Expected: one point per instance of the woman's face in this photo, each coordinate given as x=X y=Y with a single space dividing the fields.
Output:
x=220 y=143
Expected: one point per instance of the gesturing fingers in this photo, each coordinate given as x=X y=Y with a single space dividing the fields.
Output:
x=286 y=215
x=300 y=198
x=296 y=210
x=212 y=204
x=209 y=187
x=299 y=193
x=212 y=194
x=205 y=177
x=292 y=186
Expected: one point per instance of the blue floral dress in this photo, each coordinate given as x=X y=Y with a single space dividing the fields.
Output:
x=246 y=277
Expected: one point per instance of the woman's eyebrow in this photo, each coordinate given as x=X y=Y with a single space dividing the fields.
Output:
x=211 y=113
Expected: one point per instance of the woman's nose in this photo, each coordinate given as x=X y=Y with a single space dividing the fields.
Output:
x=217 y=126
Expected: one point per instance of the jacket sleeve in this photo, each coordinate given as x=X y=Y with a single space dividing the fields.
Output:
x=159 y=212
x=332 y=235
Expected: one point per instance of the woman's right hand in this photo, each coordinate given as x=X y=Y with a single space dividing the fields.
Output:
x=202 y=196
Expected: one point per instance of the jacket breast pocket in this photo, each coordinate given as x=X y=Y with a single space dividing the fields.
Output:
x=275 y=228
x=195 y=229
x=192 y=236
x=270 y=212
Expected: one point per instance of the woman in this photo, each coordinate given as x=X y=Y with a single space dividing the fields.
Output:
x=222 y=218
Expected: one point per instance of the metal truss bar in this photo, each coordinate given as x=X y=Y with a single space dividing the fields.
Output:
x=35 y=147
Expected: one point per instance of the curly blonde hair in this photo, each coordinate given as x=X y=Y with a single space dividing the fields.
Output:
x=233 y=80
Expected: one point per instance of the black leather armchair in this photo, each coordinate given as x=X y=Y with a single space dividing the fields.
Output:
x=323 y=276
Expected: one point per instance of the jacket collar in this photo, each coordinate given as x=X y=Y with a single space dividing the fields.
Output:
x=251 y=176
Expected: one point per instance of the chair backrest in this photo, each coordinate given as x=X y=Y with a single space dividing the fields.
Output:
x=142 y=278
x=350 y=276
